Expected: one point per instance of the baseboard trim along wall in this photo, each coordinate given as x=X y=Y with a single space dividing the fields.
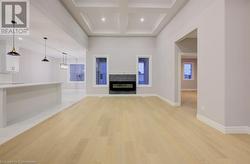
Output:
x=133 y=95
x=191 y=90
x=222 y=128
x=168 y=101
x=117 y=95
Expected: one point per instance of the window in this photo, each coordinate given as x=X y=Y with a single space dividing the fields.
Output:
x=76 y=72
x=101 y=71
x=143 y=70
x=188 y=71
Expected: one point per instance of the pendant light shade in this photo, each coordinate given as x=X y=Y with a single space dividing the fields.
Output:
x=45 y=60
x=64 y=64
x=13 y=51
x=45 y=50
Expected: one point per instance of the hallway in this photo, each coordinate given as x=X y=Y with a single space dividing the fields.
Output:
x=189 y=101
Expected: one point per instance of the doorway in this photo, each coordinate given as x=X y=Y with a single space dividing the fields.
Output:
x=187 y=72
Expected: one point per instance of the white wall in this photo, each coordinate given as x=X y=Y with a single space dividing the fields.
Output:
x=32 y=69
x=55 y=11
x=209 y=17
x=122 y=52
x=237 y=62
x=4 y=78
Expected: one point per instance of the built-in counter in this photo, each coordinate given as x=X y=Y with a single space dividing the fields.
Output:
x=22 y=101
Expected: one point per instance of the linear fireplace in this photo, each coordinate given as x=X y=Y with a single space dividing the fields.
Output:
x=122 y=84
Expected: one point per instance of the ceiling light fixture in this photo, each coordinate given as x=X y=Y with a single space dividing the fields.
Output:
x=20 y=38
x=64 y=64
x=13 y=51
x=45 y=45
x=103 y=19
x=142 y=19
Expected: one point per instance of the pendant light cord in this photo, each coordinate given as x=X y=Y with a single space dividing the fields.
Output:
x=45 y=40
x=13 y=39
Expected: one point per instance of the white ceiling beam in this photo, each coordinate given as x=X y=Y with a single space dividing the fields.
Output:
x=123 y=8
x=159 y=5
x=78 y=3
x=149 y=10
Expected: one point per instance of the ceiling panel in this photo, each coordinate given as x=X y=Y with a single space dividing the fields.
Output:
x=151 y=3
x=122 y=17
x=95 y=23
x=147 y=26
x=95 y=3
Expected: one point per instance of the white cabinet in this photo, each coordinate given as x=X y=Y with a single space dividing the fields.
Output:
x=12 y=63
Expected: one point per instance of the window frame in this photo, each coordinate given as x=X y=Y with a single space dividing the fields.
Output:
x=94 y=71
x=192 y=66
x=150 y=71
x=84 y=73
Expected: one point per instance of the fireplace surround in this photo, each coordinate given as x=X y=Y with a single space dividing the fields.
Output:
x=122 y=84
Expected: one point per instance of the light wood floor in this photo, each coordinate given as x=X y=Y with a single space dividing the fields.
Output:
x=126 y=130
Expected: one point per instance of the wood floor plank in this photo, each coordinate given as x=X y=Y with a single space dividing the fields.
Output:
x=127 y=130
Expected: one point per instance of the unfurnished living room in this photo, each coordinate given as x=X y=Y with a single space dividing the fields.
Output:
x=124 y=81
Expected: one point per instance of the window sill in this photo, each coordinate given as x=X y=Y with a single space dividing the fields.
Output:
x=188 y=79
x=100 y=86
x=143 y=86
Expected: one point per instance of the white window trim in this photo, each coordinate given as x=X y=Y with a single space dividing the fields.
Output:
x=76 y=82
x=94 y=71
x=192 y=63
x=150 y=71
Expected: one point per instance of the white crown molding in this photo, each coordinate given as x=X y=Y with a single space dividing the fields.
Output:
x=87 y=22
x=158 y=22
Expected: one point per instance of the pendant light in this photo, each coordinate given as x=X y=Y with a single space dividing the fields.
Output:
x=64 y=64
x=45 y=57
x=13 y=51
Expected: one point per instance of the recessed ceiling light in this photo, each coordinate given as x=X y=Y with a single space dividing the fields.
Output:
x=142 y=19
x=103 y=19
x=20 y=38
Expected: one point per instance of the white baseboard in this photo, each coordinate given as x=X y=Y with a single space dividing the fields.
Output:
x=168 y=101
x=222 y=128
x=117 y=95
x=133 y=95
x=237 y=130
x=191 y=90
x=211 y=123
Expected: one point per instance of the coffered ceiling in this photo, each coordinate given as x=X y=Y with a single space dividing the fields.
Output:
x=123 y=17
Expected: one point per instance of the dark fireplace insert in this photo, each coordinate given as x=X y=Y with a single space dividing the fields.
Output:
x=122 y=84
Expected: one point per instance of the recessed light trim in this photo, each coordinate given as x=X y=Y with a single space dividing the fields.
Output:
x=103 y=19
x=20 y=38
x=142 y=19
